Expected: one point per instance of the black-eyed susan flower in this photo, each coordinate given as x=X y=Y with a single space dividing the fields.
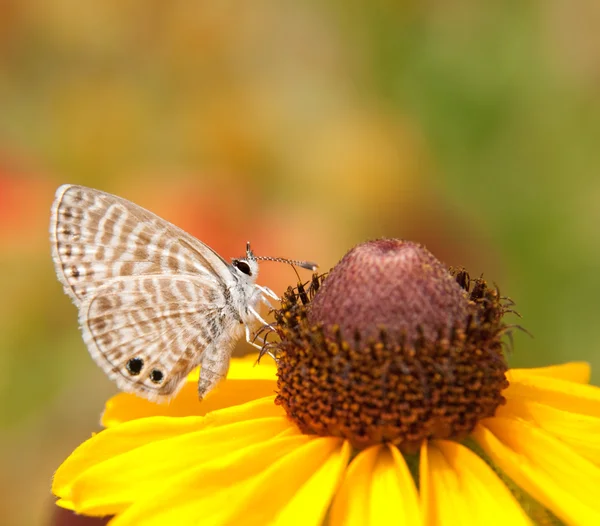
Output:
x=391 y=403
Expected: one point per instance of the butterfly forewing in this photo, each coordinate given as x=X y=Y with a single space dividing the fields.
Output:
x=148 y=332
x=97 y=236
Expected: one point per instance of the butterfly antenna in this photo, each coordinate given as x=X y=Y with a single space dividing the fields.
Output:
x=308 y=265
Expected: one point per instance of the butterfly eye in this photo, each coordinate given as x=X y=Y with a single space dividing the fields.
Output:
x=135 y=366
x=242 y=266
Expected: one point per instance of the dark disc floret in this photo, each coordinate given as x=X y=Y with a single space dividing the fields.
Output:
x=390 y=346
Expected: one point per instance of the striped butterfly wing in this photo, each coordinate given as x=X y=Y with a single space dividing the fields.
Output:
x=97 y=237
x=149 y=332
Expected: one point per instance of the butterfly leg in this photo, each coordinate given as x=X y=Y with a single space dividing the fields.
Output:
x=251 y=340
x=213 y=369
x=262 y=348
x=259 y=318
x=252 y=311
x=268 y=292
x=266 y=302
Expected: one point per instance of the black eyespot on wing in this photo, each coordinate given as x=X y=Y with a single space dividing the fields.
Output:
x=156 y=376
x=242 y=266
x=135 y=366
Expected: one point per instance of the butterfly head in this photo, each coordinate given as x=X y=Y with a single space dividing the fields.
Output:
x=247 y=266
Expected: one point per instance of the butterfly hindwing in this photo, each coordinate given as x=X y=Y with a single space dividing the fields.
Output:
x=148 y=332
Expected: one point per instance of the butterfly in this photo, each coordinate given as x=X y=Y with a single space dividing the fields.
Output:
x=154 y=302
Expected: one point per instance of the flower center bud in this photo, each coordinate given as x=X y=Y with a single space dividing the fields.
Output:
x=390 y=347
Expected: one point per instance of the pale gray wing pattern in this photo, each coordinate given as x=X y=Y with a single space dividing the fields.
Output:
x=148 y=332
x=97 y=236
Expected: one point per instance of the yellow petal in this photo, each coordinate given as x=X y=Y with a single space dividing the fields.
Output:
x=462 y=489
x=253 y=490
x=578 y=372
x=377 y=489
x=134 y=434
x=66 y=504
x=562 y=394
x=112 y=485
x=111 y=442
x=550 y=471
x=426 y=491
x=125 y=406
x=198 y=494
x=258 y=504
x=245 y=368
x=309 y=503
x=581 y=432
x=351 y=504
x=411 y=508
x=248 y=368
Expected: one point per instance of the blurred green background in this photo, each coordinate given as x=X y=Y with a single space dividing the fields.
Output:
x=305 y=127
